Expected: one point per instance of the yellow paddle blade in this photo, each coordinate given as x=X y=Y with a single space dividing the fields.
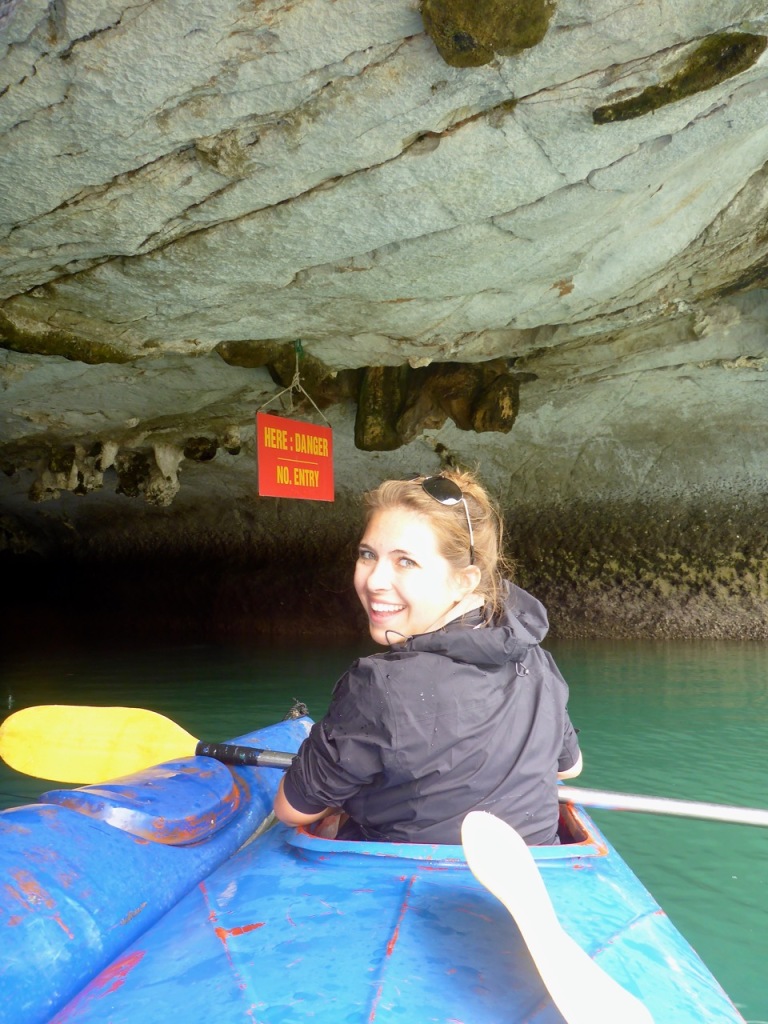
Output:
x=87 y=744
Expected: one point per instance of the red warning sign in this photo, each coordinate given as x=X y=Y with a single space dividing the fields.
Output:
x=295 y=459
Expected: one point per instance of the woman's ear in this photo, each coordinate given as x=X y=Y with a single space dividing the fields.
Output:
x=468 y=580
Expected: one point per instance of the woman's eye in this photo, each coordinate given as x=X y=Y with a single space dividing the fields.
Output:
x=405 y=563
x=366 y=556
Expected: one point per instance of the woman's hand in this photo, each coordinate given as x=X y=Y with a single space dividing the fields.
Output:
x=288 y=814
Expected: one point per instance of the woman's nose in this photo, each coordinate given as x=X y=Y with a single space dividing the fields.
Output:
x=380 y=575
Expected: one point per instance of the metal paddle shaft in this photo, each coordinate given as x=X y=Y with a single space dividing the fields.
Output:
x=606 y=800
x=234 y=753
x=85 y=745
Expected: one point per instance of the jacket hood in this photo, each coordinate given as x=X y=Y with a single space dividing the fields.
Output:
x=523 y=624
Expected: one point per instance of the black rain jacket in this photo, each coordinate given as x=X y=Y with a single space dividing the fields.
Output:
x=470 y=716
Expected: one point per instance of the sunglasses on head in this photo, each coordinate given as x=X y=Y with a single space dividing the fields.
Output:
x=448 y=492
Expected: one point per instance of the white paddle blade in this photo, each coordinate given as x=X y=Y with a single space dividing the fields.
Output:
x=581 y=990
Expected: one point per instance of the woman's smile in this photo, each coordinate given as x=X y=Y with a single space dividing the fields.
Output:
x=385 y=609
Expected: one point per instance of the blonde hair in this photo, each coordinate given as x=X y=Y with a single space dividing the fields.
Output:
x=450 y=525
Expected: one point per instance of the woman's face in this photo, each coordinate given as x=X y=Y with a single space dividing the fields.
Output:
x=404 y=584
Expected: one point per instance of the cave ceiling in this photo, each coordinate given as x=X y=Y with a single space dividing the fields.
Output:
x=530 y=236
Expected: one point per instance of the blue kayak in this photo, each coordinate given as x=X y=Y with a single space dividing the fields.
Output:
x=160 y=896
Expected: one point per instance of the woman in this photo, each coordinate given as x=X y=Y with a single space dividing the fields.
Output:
x=464 y=711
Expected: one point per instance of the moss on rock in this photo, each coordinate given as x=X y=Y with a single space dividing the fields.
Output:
x=200 y=449
x=469 y=33
x=397 y=404
x=683 y=570
x=47 y=342
x=250 y=354
x=717 y=59
x=673 y=569
x=380 y=401
x=324 y=385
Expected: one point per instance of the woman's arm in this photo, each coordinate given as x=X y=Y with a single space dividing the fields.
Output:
x=342 y=753
x=288 y=814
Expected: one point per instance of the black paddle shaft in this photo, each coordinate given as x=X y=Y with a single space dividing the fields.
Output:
x=234 y=753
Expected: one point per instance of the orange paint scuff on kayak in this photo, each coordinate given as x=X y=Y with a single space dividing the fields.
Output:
x=30 y=891
x=113 y=977
x=243 y=929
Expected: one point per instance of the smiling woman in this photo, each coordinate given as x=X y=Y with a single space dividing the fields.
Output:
x=404 y=583
x=464 y=711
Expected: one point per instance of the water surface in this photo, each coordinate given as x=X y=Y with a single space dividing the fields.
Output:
x=681 y=720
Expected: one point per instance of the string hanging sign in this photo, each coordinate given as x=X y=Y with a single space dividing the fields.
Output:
x=295 y=459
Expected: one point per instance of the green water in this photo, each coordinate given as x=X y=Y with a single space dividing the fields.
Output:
x=679 y=720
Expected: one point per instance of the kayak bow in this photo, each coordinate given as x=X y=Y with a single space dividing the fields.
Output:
x=155 y=895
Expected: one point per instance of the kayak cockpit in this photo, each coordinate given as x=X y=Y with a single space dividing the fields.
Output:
x=577 y=839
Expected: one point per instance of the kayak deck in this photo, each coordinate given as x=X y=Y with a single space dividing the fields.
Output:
x=159 y=895
x=297 y=927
